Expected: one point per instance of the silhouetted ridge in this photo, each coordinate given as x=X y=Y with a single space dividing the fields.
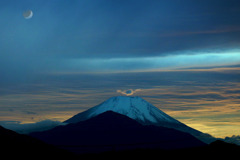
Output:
x=14 y=145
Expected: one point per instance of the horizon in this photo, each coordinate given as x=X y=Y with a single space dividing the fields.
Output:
x=66 y=57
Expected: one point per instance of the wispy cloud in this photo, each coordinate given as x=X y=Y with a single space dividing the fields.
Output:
x=128 y=92
x=202 y=32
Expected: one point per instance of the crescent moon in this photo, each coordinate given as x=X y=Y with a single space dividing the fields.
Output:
x=28 y=14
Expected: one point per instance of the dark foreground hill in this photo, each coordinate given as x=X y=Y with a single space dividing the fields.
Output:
x=111 y=131
x=14 y=145
x=215 y=150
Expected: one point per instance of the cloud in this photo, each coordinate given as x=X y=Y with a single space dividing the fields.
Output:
x=237 y=91
x=207 y=96
x=30 y=127
x=128 y=92
x=184 y=61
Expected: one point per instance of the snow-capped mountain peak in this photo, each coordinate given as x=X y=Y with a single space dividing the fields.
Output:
x=133 y=107
x=140 y=110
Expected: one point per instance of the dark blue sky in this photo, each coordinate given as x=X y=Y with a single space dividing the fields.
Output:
x=101 y=36
x=94 y=44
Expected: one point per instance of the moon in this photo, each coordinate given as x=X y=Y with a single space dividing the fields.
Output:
x=28 y=14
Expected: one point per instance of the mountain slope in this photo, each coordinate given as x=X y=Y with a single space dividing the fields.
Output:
x=141 y=111
x=113 y=131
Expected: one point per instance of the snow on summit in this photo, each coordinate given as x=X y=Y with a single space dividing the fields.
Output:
x=133 y=107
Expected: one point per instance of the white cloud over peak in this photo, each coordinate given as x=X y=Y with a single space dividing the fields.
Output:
x=128 y=92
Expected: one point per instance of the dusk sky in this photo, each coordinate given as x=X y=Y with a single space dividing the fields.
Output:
x=181 y=56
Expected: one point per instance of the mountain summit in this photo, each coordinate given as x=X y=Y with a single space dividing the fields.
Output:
x=133 y=107
x=140 y=110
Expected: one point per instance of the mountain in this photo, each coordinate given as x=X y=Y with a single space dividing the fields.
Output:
x=141 y=111
x=14 y=145
x=111 y=131
x=133 y=107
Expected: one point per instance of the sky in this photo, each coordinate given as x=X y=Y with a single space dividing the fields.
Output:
x=181 y=56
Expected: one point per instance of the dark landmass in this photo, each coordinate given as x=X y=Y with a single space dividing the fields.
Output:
x=14 y=145
x=217 y=149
